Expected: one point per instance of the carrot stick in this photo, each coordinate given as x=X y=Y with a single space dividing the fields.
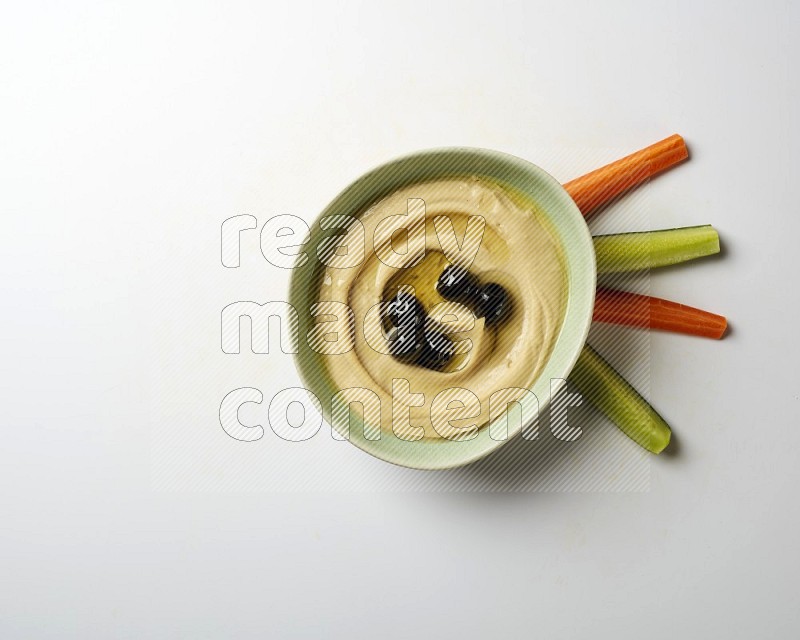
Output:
x=592 y=191
x=635 y=310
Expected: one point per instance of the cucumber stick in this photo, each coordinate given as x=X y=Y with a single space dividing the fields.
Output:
x=602 y=386
x=647 y=249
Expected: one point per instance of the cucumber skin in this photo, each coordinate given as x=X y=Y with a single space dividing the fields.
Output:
x=603 y=387
x=648 y=249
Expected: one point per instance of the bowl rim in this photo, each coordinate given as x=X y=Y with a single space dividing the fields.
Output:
x=566 y=223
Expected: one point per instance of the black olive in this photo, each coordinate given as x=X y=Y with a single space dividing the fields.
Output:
x=407 y=343
x=495 y=303
x=404 y=309
x=437 y=350
x=458 y=285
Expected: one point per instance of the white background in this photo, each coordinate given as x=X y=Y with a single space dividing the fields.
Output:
x=128 y=133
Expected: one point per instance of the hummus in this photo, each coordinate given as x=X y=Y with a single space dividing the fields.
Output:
x=515 y=249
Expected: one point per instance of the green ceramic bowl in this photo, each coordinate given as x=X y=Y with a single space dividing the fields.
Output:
x=567 y=224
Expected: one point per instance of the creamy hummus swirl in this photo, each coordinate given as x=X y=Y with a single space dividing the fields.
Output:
x=517 y=250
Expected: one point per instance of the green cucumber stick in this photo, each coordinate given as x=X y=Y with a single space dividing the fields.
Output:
x=603 y=387
x=647 y=249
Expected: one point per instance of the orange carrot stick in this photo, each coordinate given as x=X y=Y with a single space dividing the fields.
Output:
x=592 y=191
x=635 y=310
